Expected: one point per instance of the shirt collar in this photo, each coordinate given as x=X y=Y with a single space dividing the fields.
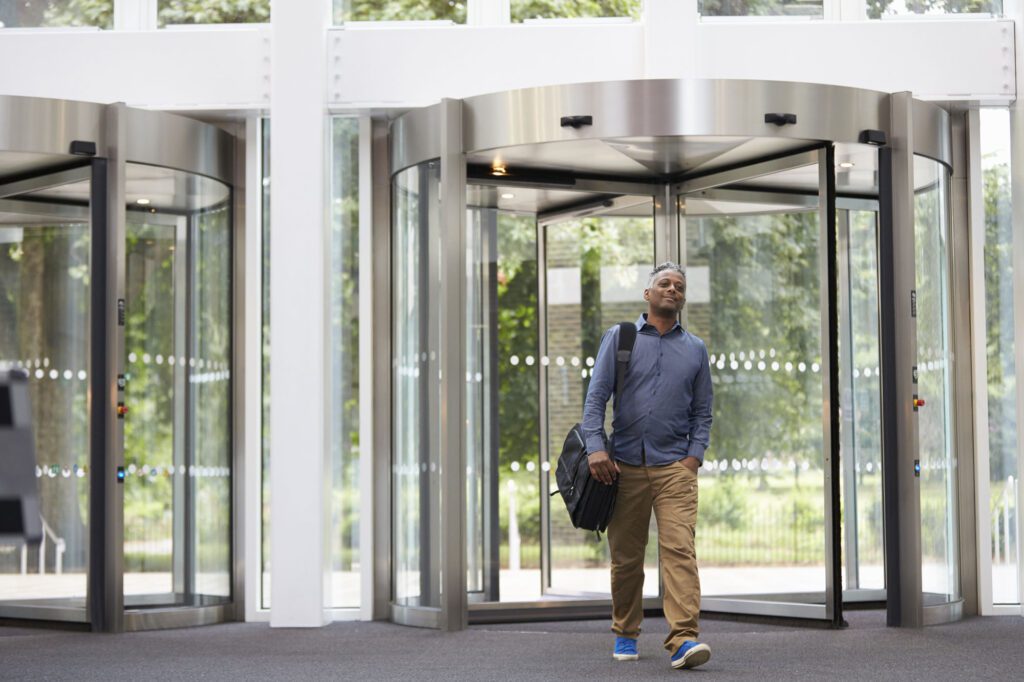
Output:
x=641 y=322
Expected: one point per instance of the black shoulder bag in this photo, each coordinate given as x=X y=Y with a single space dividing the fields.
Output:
x=590 y=503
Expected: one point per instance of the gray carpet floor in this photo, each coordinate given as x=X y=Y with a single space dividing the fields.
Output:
x=977 y=648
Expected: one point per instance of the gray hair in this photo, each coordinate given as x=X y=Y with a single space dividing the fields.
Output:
x=667 y=265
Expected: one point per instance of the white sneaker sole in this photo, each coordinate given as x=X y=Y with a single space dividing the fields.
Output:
x=626 y=657
x=698 y=655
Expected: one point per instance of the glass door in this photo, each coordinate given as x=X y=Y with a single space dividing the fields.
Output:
x=761 y=268
x=45 y=285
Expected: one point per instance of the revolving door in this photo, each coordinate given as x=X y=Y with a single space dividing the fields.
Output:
x=524 y=224
x=116 y=300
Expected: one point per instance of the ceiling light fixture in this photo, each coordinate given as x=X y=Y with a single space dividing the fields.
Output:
x=142 y=202
x=499 y=169
x=508 y=195
x=846 y=164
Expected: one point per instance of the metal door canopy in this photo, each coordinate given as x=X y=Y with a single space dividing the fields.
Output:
x=657 y=131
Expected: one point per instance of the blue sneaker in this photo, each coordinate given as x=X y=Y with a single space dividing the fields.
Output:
x=691 y=654
x=625 y=649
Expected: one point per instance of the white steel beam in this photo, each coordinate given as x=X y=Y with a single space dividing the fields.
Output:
x=227 y=68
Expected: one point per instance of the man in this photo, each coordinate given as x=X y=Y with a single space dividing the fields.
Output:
x=661 y=427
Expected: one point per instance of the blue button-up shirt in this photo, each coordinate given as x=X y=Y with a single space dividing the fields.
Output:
x=663 y=410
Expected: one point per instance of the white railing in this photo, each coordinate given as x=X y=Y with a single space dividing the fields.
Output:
x=58 y=546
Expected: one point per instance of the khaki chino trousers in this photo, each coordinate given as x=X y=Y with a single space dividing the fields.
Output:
x=671 y=491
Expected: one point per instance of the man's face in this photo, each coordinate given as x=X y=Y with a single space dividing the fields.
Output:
x=667 y=294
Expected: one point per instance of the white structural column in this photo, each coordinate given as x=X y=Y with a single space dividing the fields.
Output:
x=670 y=38
x=298 y=368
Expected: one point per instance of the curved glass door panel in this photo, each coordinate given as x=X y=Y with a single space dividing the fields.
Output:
x=860 y=399
x=44 y=329
x=596 y=269
x=940 y=577
x=178 y=444
x=416 y=534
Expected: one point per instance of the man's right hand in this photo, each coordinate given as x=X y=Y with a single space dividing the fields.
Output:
x=603 y=467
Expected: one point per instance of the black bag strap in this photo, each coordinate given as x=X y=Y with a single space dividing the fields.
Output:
x=627 y=339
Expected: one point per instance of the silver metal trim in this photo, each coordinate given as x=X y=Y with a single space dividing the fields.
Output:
x=416 y=616
x=414 y=138
x=61 y=614
x=71 y=214
x=764 y=608
x=37 y=125
x=932 y=136
x=242 y=374
x=909 y=498
x=749 y=172
x=543 y=436
x=380 y=259
x=963 y=402
x=940 y=614
x=178 y=617
x=453 y=369
x=48 y=181
x=826 y=224
x=171 y=141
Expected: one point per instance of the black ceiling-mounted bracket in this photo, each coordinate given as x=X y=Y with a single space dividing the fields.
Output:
x=780 y=119
x=83 y=148
x=577 y=121
x=873 y=137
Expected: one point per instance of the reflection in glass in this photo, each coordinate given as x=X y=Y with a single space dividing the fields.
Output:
x=344 y=363
x=597 y=269
x=415 y=389
x=524 y=10
x=753 y=296
x=40 y=13
x=44 y=329
x=1002 y=383
x=939 y=540
x=388 y=10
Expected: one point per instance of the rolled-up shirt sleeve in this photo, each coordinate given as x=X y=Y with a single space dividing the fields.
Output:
x=700 y=409
x=602 y=381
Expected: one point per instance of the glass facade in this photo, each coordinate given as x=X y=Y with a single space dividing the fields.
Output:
x=1003 y=470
